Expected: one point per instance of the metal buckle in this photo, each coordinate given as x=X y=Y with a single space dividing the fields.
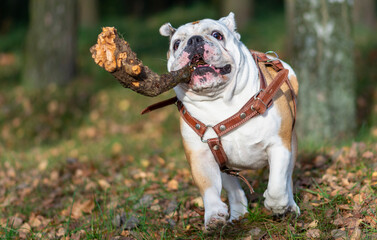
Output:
x=272 y=59
x=201 y=138
x=257 y=98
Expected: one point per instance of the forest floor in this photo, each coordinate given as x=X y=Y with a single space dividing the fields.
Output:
x=119 y=175
x=79 y=162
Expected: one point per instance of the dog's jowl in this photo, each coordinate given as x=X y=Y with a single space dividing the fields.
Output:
x=237 y=112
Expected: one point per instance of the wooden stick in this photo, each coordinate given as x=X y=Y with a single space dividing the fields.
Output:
x=115 y=55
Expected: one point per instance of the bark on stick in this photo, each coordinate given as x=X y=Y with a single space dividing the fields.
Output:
x=115 y=55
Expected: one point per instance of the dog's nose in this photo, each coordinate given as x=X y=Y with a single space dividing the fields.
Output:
x=195 y=40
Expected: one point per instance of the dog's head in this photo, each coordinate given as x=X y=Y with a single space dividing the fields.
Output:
x=209 y=47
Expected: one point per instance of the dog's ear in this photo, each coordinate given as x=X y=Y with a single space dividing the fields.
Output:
x=230 y=23
x=167 y=30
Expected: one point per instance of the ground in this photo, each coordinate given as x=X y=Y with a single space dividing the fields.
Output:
x=118 y=175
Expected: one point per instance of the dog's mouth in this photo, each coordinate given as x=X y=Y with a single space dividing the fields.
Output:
x=199 y=67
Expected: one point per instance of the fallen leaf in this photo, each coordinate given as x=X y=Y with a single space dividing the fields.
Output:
x=87 y=206
x=313 y=233
x=145 y=163
x=344 y=207
x=15 y=221
x=103 y=184
x=54 y=176
x=61 y=232
x=24 y=230
x=198 y=202
x=156 y=207
x=368 y=155
x=7 y=59
x=374 y=131
x=319 y=161
x=76 y=211
x=11 y=173
x=78 y=235
x=313 y=224
x=144 y=202
x=172 y=185
x=34 y=221
x=339 y=221
x=116 y=148
x=356 y=234
x=338 y=233
x=255 y=231
x=43 y=165
x=374 y=176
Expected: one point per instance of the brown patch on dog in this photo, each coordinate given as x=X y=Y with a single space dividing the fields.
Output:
x=283 y=100
x=168 y=55
x=195 y=22
x=201 y=180
x=294 y=146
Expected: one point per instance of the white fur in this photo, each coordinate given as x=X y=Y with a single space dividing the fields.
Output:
x=253 y=145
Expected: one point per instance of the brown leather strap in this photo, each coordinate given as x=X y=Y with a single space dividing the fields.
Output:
x=277 y=66
x=258 y=104
x=262 y=79
x=194 y=123
x=218 y=152
x=238 y=174
x=266 y=95
x=158 y=105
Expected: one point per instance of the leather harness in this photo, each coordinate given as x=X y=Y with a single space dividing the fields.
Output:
x=257 y=105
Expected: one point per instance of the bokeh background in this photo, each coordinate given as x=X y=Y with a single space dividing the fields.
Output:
x=70 y=132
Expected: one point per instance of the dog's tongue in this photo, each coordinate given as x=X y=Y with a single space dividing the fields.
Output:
x=197 y=79
x=203 y=74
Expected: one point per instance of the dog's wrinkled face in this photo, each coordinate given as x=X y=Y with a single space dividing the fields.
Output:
x=207 y=46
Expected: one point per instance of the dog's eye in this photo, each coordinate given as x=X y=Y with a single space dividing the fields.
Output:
x=176 y=44
x=217 y=35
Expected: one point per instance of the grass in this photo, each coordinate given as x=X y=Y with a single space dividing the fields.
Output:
x=76 y=158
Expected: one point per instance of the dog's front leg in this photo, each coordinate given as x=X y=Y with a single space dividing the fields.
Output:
x=207 y=177
x=279 y=196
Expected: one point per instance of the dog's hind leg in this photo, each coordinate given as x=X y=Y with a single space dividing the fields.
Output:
x=236 y=196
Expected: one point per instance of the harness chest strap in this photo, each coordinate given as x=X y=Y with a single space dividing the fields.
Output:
x=257 y=105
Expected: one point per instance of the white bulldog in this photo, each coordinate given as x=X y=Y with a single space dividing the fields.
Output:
x=225 y=76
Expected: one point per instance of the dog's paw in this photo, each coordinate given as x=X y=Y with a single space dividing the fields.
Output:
x=237 y=213
x=281 y=205
x=216 y=222
x=238 y=218
x=290 y=212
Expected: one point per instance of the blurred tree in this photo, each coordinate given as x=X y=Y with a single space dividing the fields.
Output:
x=365 y=12
x=323 y=60
x=88 y=13
x=243 y=9
x=13 y=13
x=51 y=43
x=289 y=6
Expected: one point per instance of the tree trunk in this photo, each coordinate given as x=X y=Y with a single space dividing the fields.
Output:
x=51 y=43
x=365 y=12
x=289 y=6
x=324 y=64
x=88 y=13
x=243 y=10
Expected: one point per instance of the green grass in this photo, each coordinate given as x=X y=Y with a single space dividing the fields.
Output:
x=63 y=146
